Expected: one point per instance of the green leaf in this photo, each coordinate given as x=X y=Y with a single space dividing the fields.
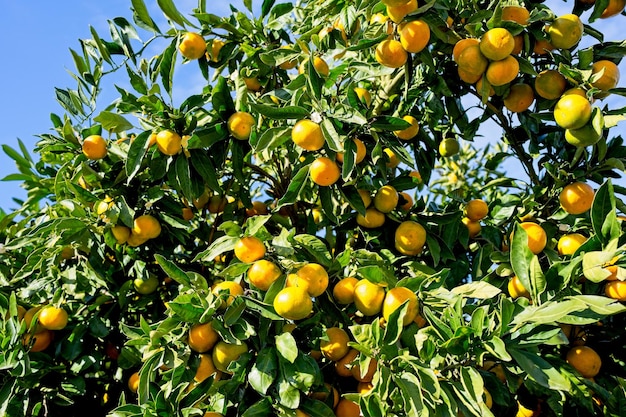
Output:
x=395 y=324
x=477 y=289
x=167 y=63
x=331 y=135
x=173 y=271
x=172 y=13
x=389 y=123
x=222 y=100
x=316 y=249
x=266 y=7
x=521 y=256
x=223 y=244
x=271 y=139
x=281 y=113
x=263 y=372
x=314 y=80
x=141 y=16
x=296 y=185
x=594 y=265
x=497 y=348
x=287 y=347
x=136 y=152
x=540 y=370
x=113 y=122
x=603 y=217
x=203 y=166
x=183 y=177
x=261 y=408
x=411 y=393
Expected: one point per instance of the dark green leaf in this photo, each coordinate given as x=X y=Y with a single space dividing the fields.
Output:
x=136 y=152
x=295 y=186
x=141 y=16
x=169 y=8
x=280 y=113
x=539 y=370
x=173 y=271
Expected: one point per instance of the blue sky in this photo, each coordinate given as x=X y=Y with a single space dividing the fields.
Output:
x=37 y=35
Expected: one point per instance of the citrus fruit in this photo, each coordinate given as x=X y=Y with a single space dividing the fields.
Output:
x=585 y=360
x=206 y=368
x=487 y=398
x=472 y=60
x=343 y=292
x=361 y=152
x=569 y=244
x=133 y=382
x=334 y=345
x=503 y=71
x=582 y=137
x=368 y=297
x=525 y=412
x=467 y=77
x=53 y=318
x=390 y=53
x=410 y=238
x=398 y=12
x=448 y=147
x=386 y=199
x=516 y=289
x=308 y=135
x=393 y=160
x=216 y=47
x=192 y=46
x=565 y=31
x=321 y=66
x=225 y=353
x=616 y=290
x=394 y=3
x=364 y=96
x=263 y=273
x=212 y=414
x=537 y=238
x=146 y=286
x=476 y=210
x=133 y=240
x=324 y=171
x=414 y=36
x=240 y=125
x=252 y=84
x=520 y=98
x=313 y=278
x=411 y=131
x=473 y=227
x=365 y=197
x=461 y=45
x=572 y=111
x=394 y=298
x=480 y=85
x=293 y=303
x=94 y=147
x=576 y=198
x=234 y=289
x=516 y=14
x=344 y=365
x=372 y=219
x=249 y=249
x=519 y=44
x=550 y=84
x=542 y=47
x=497 y=44
x=614 y=8
x=347 y=408
x=120 y=233
x=202 y=337
x=369 y=373
x=405 y=202
x=605 y=75
x=324 y=393
x=169 y=142
x=146 y=227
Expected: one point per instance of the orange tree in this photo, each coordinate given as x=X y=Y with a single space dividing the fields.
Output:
x=331 y=224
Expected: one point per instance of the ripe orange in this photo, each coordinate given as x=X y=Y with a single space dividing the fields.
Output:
x=369 y=373
x=411 y=131
x=368 y=297
x=583 y=137
x=216 y=47
x=572 y=111
x=224 y=353
x=192 y=46
x=480 y=85
x=94 y=147
x=206 y=368
x=53 y=318
x=363 y=95
x=390 y=53
x=461 y=45
x=502 y=72
x=343 y=366
x=343 y=292
x=321 y=66
x=121 y=233
x=293 y=303
x=133 y=240
x=394 y=298
x=169 y=142
x=365 y=197
x=324 y=171
x=473 y=61
x=576 y=198
x=520 y=98
x=410 y=238
x=234 y=289
x=336 y=345
x=517 y=14
x=537 y=238
x=516 y=289
x=393 y=161
x=361 y=152
x=347 y=408
x=497 y=44
x=327 y=391
x=398 y=12
x=476 y=210
x=202 y=337
x=408 y=201
x=473 y=227
x=614 y=8
x=565 y=31
x=542 y=47
x=414 y=36
x=607 y=73
x=249 y=249
x=467 y=77
x=372 y=219
x=550 y=84
x=146 y=227
x=212 y=414
x=133 y=382
x=308 y=135
x=616 y=290
x=252 y=84
x=386 y=199
x=569 y=244
x=41 y=340
x=519 y=44
x=240 y=125
x=312 y=277
x=585 y=360
x=263 y=273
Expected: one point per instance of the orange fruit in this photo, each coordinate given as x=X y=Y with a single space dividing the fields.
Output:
x=212 y=414
x=94 y=147
x=519 y=44
x=343 y=292
x=414 y=36
x=614 y=8
x=258 y=208
x=542 y=47
x=607 y=74
x=502 y=72
x=390 y=53
x=313 y=278
x=476 y=210
x=572 y=111
x=324 y=171
x=41 y=340
x=585 y=360
x=576 y=198
x=365 y=197
x=334 y=345
x=569 y=244
x=520 y=98
x=202 y=337
x=363 y=95
x=480 y=84
x=372 y=219
x=53 y=318
x=361 y=152
x=394 y=298
x=449 y=147
x=537 y=238
x=249 y=249
x=616 y=290
x=473 y=61
x=393 y=161
x=234 y=289
x=408 y=201
x=133 y=382
x=516 y=289
x=347 y=408
x=467 y=77
x=225 y=353
x=321 y=66
x=550 y=84
x=461 y=45
x=293 y=303
x=410 y=238
x=398 y=12
x=120 y=233
x=263 y=273
x=496 y=44
x=240 y=125
x=146 y=227
x=192 y=46
x=327 y=391
x=369 y=374
x=516 y=14
x=169 y=142
x=216 y=47
x=133 y=240
x=473 y=227
x=411 y=131
x=308 y=135
x=343 y=366
x=206 y=368
x=565 y=31
x=368 y=297
x=252 y=84
x=386 y=199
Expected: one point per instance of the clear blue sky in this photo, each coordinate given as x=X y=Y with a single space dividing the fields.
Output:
x=37 y=35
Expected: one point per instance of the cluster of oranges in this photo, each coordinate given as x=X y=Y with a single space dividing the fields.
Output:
x=42 y=322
